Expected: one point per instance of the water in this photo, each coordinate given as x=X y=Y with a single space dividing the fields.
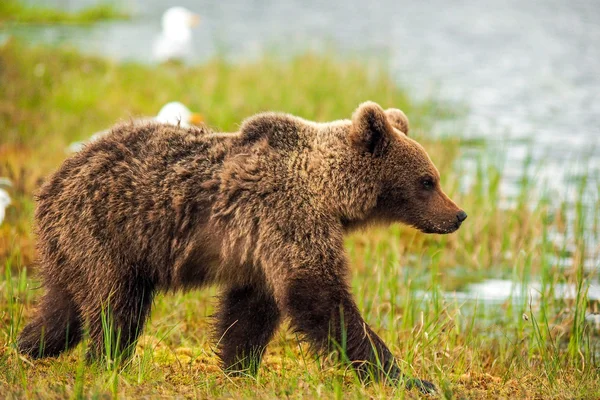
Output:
x=527 y=72
x=490 y=300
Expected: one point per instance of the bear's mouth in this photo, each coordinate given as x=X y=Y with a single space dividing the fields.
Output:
x=442 y=230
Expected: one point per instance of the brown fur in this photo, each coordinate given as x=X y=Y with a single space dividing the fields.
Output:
x=261 y=212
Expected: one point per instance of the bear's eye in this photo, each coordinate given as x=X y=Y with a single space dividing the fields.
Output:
x=427 y=183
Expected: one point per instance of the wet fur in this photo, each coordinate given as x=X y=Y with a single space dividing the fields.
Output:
x=261 y=212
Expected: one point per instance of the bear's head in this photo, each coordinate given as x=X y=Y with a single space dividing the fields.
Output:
x=405 y=183
x=363 y=170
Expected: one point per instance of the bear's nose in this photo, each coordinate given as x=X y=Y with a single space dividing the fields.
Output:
x=461 y=216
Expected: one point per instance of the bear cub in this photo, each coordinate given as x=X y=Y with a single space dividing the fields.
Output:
x=262 y=212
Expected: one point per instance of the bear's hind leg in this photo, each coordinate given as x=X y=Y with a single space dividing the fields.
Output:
x=55 y=328
x=116 y=317
x=246 y=321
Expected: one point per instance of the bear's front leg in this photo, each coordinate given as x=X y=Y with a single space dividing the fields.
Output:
x=321 y=307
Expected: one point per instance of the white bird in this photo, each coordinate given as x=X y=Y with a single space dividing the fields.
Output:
x=173 y=113
x=175 y=40
x=4 y=198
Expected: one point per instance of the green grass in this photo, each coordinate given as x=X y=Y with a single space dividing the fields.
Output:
x=21 y=12
x=51 y=97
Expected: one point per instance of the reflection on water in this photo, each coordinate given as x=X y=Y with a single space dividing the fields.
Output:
x=493 y=294
x=496 y=291
x=499 y=291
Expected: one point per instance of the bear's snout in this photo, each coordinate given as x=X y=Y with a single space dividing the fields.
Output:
x=460 y=217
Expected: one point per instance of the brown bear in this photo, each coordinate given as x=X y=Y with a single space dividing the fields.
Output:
x=262 y=212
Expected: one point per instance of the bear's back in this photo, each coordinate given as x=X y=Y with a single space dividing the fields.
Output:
x=131 y=192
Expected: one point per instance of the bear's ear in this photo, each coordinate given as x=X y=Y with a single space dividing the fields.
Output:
x=279 y=130
x=398 y=119
x=370 y=128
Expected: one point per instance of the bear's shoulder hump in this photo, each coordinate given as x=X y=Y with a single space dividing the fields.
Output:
x=278 y=129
